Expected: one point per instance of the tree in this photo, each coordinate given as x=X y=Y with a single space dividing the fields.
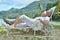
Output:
x=50 y=5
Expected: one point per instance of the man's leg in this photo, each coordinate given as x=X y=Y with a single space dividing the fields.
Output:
x=7 y=21
x=22 y=25
x=24 y=19
x=11 y=22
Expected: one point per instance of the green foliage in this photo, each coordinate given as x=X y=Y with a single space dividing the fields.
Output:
x=58 y=1
x=2 y=30
x=57 y=8
x=49 y=5
x=57 y=24
x=56 y=15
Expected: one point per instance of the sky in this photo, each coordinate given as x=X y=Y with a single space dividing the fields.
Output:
x=7 y=4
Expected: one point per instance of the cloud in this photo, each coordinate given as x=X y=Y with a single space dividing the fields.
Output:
x=5 y=7
x=1 y=0
x=25 y=0
x=6 y=4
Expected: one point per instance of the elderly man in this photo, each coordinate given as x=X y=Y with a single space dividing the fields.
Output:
x=23 y=20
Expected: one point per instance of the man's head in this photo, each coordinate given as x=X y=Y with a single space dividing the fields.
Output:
x=48 y=13
x=43 y=14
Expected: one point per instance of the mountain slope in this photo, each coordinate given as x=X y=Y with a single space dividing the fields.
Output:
x=30 y=10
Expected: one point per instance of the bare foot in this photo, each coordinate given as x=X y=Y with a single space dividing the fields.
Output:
x=7 y=21
x=12 y=26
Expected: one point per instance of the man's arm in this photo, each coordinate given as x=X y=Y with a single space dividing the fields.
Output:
x=45 y=22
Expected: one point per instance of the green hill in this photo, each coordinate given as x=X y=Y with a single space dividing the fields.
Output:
x=30 y=10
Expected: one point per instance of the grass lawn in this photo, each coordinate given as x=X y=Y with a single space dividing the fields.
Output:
x=57 y=24
x=19 y=37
